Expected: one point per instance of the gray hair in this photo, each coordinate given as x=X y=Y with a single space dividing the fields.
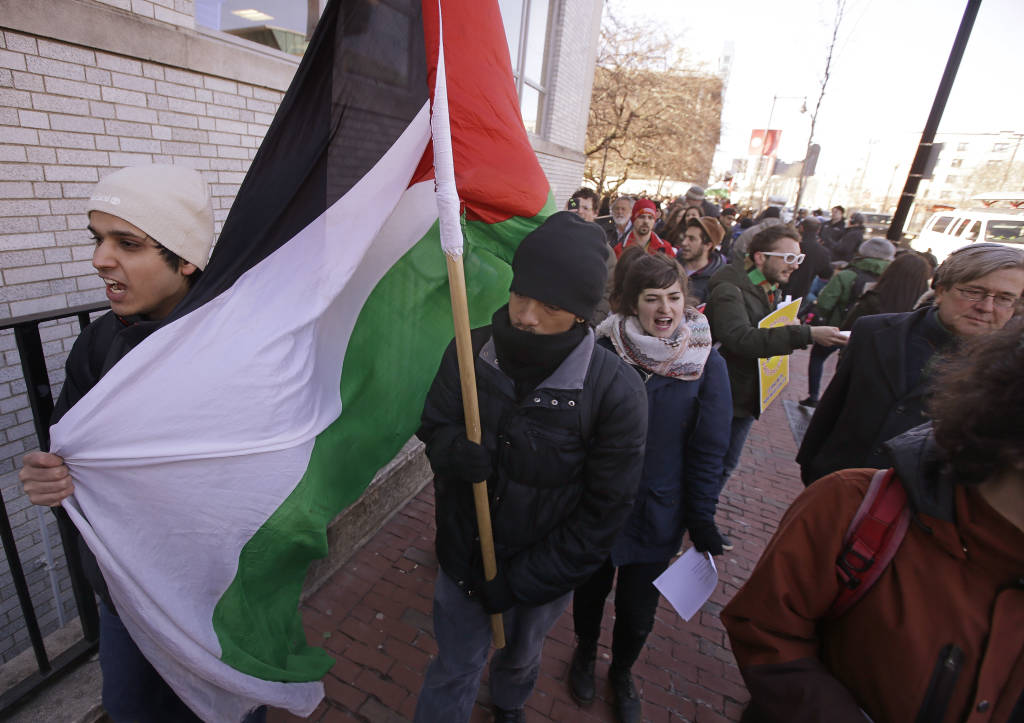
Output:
x=974 y=261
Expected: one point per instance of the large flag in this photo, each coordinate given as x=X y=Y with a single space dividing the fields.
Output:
x=209 y=460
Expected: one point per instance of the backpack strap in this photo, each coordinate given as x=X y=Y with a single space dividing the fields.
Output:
x=874 y=535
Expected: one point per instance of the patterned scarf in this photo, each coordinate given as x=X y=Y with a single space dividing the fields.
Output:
x=680 y=356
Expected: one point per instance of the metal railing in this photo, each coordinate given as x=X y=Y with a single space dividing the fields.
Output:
x=40 y=396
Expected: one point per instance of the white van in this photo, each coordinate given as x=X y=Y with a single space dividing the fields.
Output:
x=946 y=231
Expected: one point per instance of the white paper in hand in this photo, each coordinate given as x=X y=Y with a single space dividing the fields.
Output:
x=688 y=582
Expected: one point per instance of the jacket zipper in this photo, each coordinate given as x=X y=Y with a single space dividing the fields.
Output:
x=940 y=688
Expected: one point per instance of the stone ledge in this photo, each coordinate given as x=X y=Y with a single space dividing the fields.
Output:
x=395 y=484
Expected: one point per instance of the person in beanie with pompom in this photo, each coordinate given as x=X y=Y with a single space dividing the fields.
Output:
x=563 y=425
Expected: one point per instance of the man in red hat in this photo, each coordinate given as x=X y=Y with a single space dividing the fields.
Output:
x=645 y=213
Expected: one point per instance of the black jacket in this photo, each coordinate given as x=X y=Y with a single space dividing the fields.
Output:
x=878 y=392
x=831 y=231
x=567 y=460
x=95 y=351
x=845 y=247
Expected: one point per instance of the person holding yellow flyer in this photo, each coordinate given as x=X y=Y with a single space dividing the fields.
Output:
x=739 y=300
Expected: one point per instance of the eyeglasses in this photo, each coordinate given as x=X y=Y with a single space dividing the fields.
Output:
x=787 y=258
x=975 y=295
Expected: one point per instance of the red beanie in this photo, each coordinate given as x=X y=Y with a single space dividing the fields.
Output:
x=644 y=204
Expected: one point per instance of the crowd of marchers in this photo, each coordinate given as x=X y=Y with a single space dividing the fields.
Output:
x=616 y=390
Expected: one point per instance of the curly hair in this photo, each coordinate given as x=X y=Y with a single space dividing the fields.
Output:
x=977 y=405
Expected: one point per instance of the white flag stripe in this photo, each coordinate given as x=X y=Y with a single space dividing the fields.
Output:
x=157 y=472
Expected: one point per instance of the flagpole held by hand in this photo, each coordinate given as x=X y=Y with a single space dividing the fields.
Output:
x=471 y=411
x=450 y=227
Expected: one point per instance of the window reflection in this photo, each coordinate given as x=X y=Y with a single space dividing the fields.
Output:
x=526 y=30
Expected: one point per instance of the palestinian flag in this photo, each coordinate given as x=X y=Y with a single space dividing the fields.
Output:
x=209 y=460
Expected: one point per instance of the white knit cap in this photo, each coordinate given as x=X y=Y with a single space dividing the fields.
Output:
x=170 y=203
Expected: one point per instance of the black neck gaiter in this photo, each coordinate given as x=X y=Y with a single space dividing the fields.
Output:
x=528 y=358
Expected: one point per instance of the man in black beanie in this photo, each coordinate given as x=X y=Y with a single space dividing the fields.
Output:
x=563 y=425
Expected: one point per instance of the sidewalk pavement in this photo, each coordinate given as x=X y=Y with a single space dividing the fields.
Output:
x=374 y=615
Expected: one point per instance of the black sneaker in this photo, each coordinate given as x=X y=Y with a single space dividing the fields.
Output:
x=509 y=715
x=726 y=542
x=809 y=402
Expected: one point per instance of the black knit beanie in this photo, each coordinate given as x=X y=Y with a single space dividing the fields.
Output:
x=563 y=263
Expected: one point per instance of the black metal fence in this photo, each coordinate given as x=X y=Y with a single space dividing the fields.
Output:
x=40 y=395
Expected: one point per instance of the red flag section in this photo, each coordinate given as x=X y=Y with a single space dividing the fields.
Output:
x=482 y=97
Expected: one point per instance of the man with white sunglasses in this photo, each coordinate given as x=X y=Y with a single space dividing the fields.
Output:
x=739 y=297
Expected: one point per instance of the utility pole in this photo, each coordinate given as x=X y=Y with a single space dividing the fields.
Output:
x=931 y=126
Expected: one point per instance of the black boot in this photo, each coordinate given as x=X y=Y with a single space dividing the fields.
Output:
x=627 y=705
x=581 y=671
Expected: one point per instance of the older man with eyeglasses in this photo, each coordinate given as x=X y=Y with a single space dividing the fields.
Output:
x=881 y=383
x=738 y=298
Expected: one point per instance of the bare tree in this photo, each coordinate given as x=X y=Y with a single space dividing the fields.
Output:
x=649 y=114
x=836 y=22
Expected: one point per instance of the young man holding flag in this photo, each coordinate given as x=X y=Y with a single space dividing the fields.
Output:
x=153 y=228
x=563 y=428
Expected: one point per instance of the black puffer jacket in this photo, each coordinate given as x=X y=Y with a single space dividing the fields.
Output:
x=567 y=461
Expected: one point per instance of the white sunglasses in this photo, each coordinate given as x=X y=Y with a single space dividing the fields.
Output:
x=787 y=258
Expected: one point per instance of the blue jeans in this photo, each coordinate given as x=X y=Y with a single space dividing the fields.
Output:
x=133 y=692
x=463 y=633
x=737 y=438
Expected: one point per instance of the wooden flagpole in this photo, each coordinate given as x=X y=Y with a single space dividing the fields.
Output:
x=450 y=228
x=471 y=411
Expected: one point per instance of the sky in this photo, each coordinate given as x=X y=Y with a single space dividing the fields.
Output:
x=886 y=70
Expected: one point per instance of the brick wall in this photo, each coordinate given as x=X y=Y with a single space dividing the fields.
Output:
x=77 y=103
x=69 y=114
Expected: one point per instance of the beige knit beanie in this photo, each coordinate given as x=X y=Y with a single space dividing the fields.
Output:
x=170 y=203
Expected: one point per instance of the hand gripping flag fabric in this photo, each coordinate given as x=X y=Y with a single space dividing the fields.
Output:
x=210 y=458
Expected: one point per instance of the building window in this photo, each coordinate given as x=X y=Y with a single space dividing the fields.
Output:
x=1000 y=147
x=281 y=24
x=952 y=179
x=961 y=147
x=526 y=30
x=956 y=162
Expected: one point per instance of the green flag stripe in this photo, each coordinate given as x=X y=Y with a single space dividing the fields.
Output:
x=395 y=348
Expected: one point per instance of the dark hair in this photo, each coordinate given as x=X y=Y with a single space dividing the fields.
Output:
x=174 y=261
x=977 y=405
x=810 y=224
x=767 y=239
x=622 y=266
x=590 y=193
x=841 y=209
x=652 y=271
x=902 y=283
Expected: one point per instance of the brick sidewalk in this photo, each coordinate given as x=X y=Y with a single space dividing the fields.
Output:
x=374 y=614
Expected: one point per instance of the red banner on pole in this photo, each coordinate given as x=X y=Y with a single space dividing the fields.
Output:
x=764 y=143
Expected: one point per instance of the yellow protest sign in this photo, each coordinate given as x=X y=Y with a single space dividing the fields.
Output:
x=773 y=372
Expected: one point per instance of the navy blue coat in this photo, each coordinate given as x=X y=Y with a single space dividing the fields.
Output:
x=687 y=436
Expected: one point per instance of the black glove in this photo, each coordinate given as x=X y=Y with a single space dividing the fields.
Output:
x=469 y=461
x=496 y=595
x=705 y=537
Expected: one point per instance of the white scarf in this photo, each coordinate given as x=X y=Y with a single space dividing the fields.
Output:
x=680 y=356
